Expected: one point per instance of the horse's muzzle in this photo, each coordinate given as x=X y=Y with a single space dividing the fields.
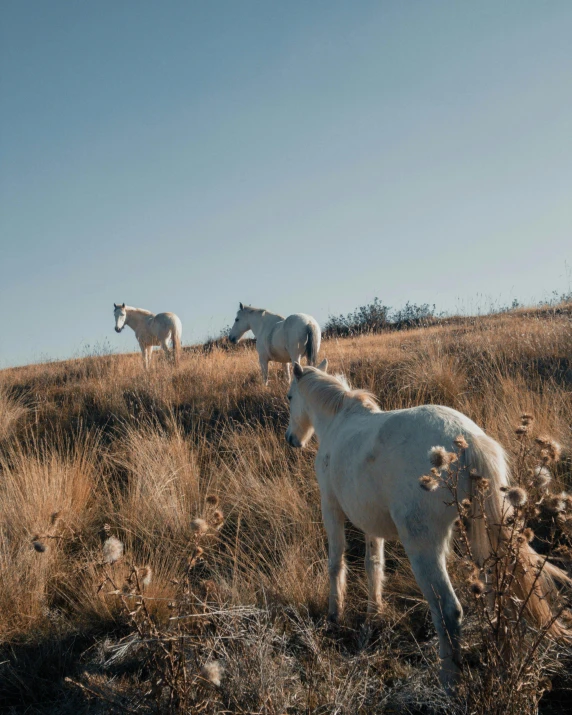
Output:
x=293 y=441
x=232 y=340
x=118 y=330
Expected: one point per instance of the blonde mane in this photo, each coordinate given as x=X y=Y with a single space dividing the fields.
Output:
x=334 y=392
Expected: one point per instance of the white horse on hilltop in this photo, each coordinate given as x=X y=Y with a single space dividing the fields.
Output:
x=150 y=330
x=368 y=467
x=279 y=339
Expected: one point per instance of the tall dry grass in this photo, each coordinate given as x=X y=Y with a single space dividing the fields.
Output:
x=94 y=448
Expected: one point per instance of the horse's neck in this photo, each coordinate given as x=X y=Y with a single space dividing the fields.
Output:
x=327 y=423
x=136 y=318
x=263 y=321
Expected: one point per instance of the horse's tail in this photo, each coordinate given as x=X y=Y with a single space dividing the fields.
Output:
x=176 y=338
x=534 y=577
x=313 y=343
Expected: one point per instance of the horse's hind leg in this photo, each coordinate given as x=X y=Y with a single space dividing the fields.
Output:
x=374 y=563
x=170 y=355
x=430 y=571
x=334 y=523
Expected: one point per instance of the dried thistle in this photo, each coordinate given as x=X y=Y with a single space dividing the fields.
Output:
x=197 y=553
x=112 y=550
x=517 y=497
x=555 y=504
x=38 y=545
x=528 y=534
x=461 y=442
x=542 y=477
x=526 y=418
x=212 y=500
x=477 y=587
x=145 y=575
x=440 y=458
x=218 y=518
x=199 y=526
x=550 y=449
x=428 y=483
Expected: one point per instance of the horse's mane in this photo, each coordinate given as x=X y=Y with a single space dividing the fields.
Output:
x=142 y=311
x=335 y=393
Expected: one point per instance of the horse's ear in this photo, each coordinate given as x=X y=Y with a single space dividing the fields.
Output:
x=298 y=371
x=123 y=306
x=241 y=306
x=323 y=365
x=115 y=305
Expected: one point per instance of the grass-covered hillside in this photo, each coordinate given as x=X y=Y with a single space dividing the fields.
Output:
x=161 y=546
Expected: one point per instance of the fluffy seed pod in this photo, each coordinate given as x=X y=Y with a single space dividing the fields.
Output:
x=517 y=497
x=112 y=550
x=199 y=526
x=212 y=672
x=477 y=587
x=550 y=449
x=428 y=483
x=440 y=458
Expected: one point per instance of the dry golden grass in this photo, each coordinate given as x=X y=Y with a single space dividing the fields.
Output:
x=94 y=442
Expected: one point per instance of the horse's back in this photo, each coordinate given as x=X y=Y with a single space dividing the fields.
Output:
x=167 y=322
x=377 y=460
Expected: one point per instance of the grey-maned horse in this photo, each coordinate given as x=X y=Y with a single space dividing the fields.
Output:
x=368 y=467
x=280 y=339
x=150 y=330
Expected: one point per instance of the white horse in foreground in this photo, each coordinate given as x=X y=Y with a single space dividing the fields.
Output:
x=368 y=468
x=150 y=330
x=279 y=339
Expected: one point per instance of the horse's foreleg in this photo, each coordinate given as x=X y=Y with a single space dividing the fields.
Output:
x=264 y=367
x=374 y=563
x=148 y=355
x=144 y=354
x=287 y=372
x=334 y=523
x=431 y=575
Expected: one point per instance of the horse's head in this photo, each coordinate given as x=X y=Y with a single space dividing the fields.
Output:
x=120 y=316
x=241 y=324
x=300 y=428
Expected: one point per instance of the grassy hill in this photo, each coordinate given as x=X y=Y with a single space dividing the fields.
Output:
x=224 y=561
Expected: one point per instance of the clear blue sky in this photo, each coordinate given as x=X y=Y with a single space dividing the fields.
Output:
x=299 y=156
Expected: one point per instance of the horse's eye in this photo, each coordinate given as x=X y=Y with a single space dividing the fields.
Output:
x=236 y=321
x=289 y=397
